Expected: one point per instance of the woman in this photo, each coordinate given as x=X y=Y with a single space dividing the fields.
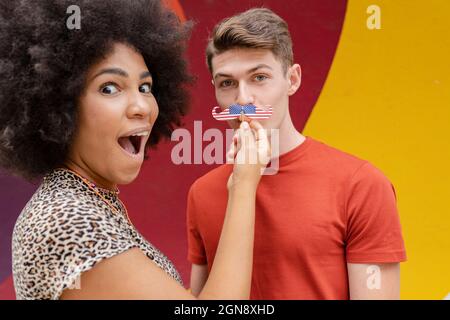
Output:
x=77 y=107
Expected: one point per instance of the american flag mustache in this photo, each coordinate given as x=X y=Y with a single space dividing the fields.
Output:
x=234 y=111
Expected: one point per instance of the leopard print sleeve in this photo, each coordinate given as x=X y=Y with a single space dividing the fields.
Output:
x=64 y=231
x=54 y=247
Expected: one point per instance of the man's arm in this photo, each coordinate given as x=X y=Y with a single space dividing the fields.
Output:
x=199 y=274
x=374 y=281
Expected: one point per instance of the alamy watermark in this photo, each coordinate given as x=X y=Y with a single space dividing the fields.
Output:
x=73 y=22
x=374 y=20
x=374 y=280
x=190 y=148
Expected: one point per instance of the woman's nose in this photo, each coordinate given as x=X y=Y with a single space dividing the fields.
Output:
x=140 y=107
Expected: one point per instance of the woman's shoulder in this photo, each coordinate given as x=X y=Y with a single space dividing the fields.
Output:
x=52 y=204
x=58 y=212
x=60 y=233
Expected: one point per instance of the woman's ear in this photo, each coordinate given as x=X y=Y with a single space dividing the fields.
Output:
x=295 y=78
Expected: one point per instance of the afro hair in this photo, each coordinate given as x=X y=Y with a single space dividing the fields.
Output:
x=43 y=65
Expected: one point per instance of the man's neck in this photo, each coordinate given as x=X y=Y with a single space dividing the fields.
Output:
x=289 y=137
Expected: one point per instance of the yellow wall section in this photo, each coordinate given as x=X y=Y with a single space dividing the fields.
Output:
x=387 y=100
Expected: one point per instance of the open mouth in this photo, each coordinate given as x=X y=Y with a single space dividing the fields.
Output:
x=133 y=143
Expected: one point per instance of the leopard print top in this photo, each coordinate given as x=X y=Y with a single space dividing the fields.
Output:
x=64 y=230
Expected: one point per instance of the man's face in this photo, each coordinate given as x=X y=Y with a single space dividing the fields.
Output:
x=254 y=76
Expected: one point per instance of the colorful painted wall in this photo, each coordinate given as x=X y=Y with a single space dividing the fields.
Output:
x=381 y=94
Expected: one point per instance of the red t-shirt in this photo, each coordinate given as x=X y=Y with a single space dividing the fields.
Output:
x=323 y=209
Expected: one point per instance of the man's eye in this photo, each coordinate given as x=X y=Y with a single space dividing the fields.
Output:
x=145 y=88
x=226 y=83
x=109 y=88
x=260 y=77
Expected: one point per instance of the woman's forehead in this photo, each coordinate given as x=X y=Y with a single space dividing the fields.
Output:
x=122 y=60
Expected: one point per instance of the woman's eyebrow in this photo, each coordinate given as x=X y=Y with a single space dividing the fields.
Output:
x=145 y=74
x=116 y=71
x=120 y=72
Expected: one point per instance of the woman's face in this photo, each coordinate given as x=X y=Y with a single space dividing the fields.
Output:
x=117 y=111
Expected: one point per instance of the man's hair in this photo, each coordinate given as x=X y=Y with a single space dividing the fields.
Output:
x=257 y=28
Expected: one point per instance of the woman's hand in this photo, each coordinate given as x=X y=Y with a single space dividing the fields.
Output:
x=250 y=153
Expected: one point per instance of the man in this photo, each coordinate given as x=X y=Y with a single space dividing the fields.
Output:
x=327 y=225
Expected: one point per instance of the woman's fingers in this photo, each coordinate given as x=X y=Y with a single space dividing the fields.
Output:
x=246 y=145
x=231 y=154
x=249 y=153
x=262 y=141
x=250 y=144
x=235 y=146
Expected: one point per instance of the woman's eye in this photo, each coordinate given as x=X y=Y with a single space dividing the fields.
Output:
x=109 y=88
x=260 y=77
x=145 y=88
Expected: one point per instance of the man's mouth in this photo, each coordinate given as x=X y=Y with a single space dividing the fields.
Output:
x=134 y=143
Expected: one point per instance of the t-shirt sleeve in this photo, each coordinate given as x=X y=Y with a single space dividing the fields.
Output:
x=71 y=250
x=196 y=249
x=374 y=232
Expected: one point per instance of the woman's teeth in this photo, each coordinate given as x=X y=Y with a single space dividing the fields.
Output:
x=140 y=134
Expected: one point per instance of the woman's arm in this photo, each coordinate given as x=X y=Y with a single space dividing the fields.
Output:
x=199 y=275
x=230 y=275
x=131 y=275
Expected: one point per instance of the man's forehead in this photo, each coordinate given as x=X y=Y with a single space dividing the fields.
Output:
x=243 y=60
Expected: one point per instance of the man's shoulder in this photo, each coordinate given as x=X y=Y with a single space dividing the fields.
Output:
x=333 y=154
x=334 y=159
x=343 y=163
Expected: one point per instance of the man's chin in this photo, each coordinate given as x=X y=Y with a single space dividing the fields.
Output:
x=234 y=124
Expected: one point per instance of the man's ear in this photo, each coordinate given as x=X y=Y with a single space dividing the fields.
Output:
x=294 y=75
x=212 y=82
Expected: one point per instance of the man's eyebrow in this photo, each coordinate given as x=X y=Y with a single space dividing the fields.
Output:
x=259 y=66
x=221 y=75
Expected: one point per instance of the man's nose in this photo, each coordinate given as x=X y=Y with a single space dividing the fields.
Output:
x=244 y=95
